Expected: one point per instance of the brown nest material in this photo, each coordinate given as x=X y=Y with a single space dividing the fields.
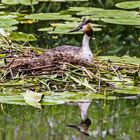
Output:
x=30 y=63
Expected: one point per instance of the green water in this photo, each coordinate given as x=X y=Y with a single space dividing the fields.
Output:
x=110 y=120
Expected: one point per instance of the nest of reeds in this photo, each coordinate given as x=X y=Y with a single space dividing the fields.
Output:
x=19 y=61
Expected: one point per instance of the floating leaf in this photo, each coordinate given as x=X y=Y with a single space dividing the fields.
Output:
x=122 y=21
x=9 y=16
x=128 y=5
x=19 y=36
x=24 y=2
x=47 y=101
x=33 y=98
x=10 y=2
x=28 y=2
x=102 y=13
x=65 y=28
x=15 y=99
x=109 y=13
x=61 y=0
x=123 y=60
x=82 y=9
x=47 y=16
x=5 y=22
x=67 y=96
x=62 y=31
x=109 y=16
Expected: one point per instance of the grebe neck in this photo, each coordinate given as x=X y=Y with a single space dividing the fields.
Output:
x=86 y=52
x=85 y=42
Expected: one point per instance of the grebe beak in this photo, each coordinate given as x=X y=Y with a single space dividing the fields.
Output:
x=76 y=29
x=84 y=22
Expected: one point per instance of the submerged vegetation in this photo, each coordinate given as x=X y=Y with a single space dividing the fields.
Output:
x=27 y=27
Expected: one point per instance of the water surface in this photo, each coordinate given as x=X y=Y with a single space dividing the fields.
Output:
x=110 y=120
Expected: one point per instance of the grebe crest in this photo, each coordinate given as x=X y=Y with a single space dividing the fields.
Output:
x=85 y=26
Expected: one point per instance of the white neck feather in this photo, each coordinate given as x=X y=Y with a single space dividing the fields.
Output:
x=85 y=43
x=85 y=49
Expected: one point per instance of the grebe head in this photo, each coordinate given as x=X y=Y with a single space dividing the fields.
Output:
x=85 y=26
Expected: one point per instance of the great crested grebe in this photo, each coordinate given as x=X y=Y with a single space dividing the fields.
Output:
x=73 y=54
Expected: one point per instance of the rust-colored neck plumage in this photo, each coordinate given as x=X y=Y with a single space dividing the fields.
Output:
x=88 y=29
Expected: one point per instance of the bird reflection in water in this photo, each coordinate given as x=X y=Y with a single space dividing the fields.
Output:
x=84 y=125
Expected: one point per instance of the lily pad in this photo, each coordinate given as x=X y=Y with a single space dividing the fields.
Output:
x=7 y=22
x=19 y=36
x=64 y=28
x=61 y=0
x=102 y=13
x=82 y=9
x=9 y=16
x=128 y=5
x=10 y=2
x=123 y=60
x=33 y=98
x=28 y=2
x=24 y=2
x=108 y=13
x=76 y=96
x=47 y=16
x=122 y=21
x=15 y=99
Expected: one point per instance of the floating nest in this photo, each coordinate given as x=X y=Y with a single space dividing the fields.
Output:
x=19 y=61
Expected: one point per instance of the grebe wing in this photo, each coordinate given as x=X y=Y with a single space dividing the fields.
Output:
x=66 y=48
x=61 y=53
